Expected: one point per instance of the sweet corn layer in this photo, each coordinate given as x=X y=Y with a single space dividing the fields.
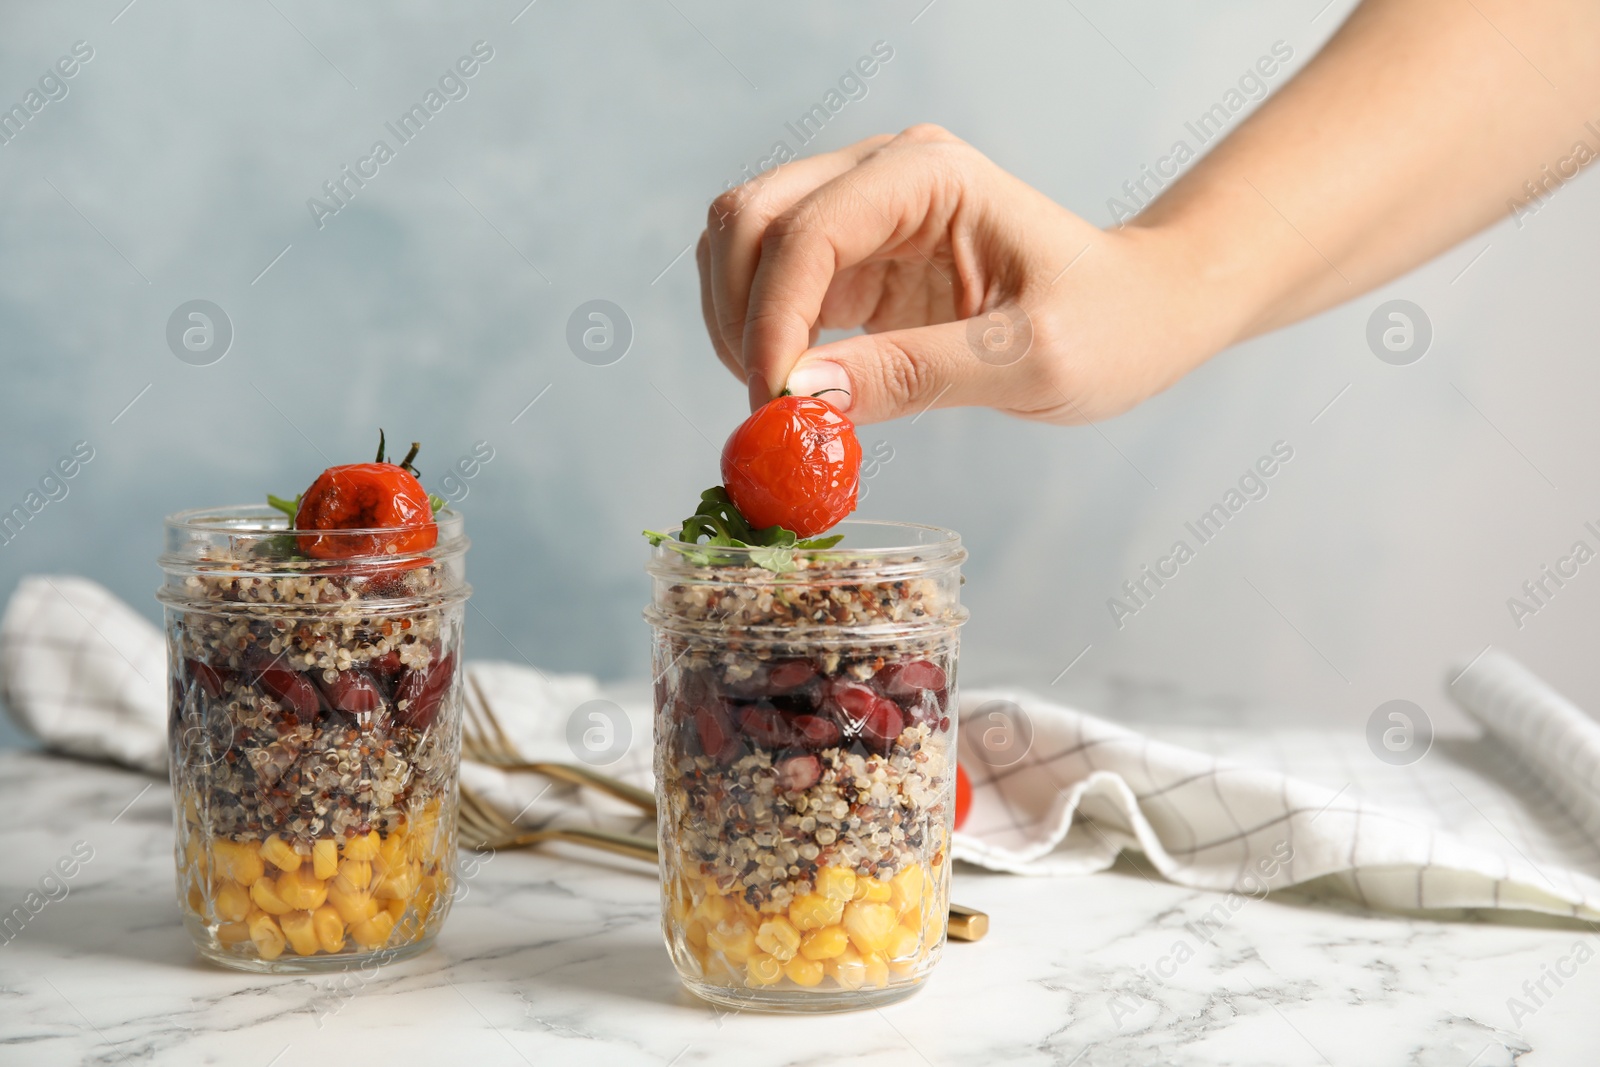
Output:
x=275 y=896
x=849 y=932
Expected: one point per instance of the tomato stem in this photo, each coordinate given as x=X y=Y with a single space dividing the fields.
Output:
x=288 y=507
x=405 y=464
x=380 y=446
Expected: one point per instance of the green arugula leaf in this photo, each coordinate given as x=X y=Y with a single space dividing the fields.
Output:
x=718 y=522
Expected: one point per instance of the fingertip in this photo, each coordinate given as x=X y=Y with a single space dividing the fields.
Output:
x=822 y=378
x=760 y=392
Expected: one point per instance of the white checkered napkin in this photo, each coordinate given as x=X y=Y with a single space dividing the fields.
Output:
x=85 y=673
x=1539 y=728
x=1085 y=790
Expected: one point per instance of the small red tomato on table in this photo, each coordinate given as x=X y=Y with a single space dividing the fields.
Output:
x=963 y=795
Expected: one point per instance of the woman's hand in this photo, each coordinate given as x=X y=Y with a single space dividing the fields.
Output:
x=974 y=289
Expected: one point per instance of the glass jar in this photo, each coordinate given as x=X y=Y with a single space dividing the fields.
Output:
x=315 y=736
x=805 y=723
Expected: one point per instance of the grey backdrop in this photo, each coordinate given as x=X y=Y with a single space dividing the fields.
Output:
x=578 y=166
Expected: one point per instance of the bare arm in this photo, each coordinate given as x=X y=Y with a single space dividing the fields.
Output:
x=1418 y=124
x=1412 y=129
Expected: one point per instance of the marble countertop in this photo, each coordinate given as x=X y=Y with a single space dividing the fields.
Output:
x=556 y=957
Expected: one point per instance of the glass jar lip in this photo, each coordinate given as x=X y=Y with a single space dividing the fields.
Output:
x=266 y=519
x=935 y=542
x=193 y=534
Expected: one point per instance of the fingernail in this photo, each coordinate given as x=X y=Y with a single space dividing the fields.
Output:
x=824 y=379
x=759 y=393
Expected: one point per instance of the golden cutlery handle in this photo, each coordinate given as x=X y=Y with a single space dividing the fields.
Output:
x=638 y=848
x=642 y=799
x=967 y=924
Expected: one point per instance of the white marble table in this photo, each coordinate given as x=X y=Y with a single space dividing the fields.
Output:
x=556 y=957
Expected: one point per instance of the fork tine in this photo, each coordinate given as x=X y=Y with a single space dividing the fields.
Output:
x=504 y=742
x=503 y=753
x=473 y=735
x=474 y=812
x=475 y=808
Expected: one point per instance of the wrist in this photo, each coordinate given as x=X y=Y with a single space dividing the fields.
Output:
x=1190 y=302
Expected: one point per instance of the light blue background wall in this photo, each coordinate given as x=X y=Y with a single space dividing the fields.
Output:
x=580 y=165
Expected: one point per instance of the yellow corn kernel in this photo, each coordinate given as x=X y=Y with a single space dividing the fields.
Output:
x=233 y=933
x=400 y=883
x=427 y=894
x=422 y=831
x=694 y=932
x=825 y=944
x=777 y=937
x=373 y=932
x=869 y=925
x=354 y=875
x=814 y=911
x=836 y=883
x=195 y=899
x=763 y=969
x=392 y=853
x=266 y=935
x=872 y=890
x=802 y=971
x=736 y=942
x=242 y=863
x=904 y=943
x=278 y=852
x=353 y=905
x=715 y=969
x=299 y=889
x=396 y=908
x=265 y=894
x=750 y=915
x=876 y=970
x=233 y=902
x=425 y=899
x=362 y=846
x=329 y=928
x=302 y=935
x=905 y=889
x=325 y=858
x=847 y=968
x=712 y=909
x=698 y=953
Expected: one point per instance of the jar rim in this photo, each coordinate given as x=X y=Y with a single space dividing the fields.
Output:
x=266 y=519
x=932 y=543
x=240 y=528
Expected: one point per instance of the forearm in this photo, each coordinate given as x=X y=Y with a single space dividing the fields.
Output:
x=1412 y=129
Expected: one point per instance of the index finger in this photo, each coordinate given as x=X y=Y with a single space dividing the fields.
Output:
x=878 y=209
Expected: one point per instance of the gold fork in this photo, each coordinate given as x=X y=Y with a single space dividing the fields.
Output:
x=482 y=739
x=484 y=827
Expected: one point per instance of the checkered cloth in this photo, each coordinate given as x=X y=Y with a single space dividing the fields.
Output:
x=1511 y=820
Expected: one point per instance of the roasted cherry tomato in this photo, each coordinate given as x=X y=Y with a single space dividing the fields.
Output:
x=963 y=795
x=366 y=496
x=795 y=463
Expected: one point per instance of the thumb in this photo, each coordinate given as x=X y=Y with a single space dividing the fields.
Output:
x=979 y=361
